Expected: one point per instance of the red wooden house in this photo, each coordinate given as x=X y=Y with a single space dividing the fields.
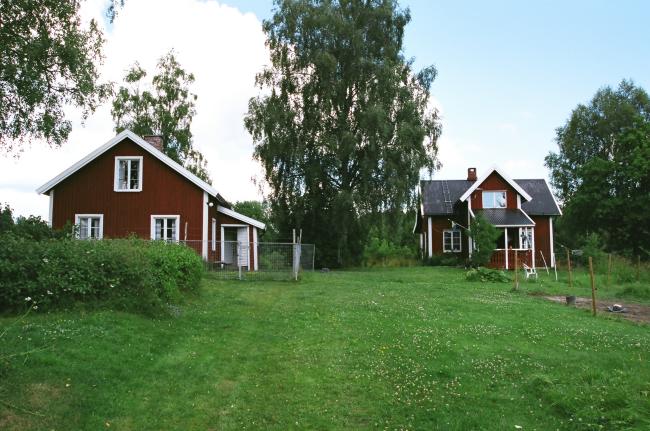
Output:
x=129 y=186
x=522 y=209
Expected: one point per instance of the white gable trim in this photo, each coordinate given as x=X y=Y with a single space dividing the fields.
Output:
x=240 y=217
x=480 y=181
x=142 y=143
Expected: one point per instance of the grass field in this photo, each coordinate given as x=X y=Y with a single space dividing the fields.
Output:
x=413 y=348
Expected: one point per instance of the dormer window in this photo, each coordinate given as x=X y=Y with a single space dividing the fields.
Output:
x=494 y=199
x=128 y=174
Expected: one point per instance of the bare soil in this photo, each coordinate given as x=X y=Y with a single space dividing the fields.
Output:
x=634 y=312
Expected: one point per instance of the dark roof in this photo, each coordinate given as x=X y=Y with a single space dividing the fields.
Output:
x=542 y=202
x=434 y=201
x=433 y=196
x=505 y=217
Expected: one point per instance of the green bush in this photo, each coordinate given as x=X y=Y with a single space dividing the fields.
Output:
x=381 y=252
x=447 y=259
x=128 y=274
x=487 y=275
x=484 y=236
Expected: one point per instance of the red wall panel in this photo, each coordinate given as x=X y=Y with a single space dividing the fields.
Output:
x=494 y=182
x=164 y=192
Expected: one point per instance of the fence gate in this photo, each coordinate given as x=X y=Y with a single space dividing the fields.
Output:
x=256 y=260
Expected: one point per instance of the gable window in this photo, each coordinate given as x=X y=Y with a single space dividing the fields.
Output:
x=451 y=241
x=494 y=199
x=128 y=174
x=89 y=226
x=165 y=227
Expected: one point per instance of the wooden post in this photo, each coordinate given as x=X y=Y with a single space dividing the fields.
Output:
x=568 y=265
x=638 y=268
x=185 y=237
x=609 y=268
x=516 y=271
x=593 y=287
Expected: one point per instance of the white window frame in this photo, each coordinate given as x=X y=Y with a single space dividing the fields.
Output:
x=168 y=216
x=529 y=231
x=77 y=222
x=493 y=193
x=453 y=242
x=116 y=182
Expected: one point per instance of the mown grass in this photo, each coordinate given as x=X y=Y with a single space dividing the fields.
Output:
x=412 y=348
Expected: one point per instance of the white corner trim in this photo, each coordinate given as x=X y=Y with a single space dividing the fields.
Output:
x=145 y=146
x=101 y=222
x=240 y=217
x=480 y=181
x=117 y=169
x=205 y=227
x=550 y=221
x=214 y=234
x=256 y=262
x=174 y=216
x=51 y=220
x=430 y=237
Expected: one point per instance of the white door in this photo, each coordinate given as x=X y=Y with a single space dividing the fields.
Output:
x=242 y=239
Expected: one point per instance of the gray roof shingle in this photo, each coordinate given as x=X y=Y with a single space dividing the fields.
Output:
x=505 y=217
x=543 y=202
x=435 y=203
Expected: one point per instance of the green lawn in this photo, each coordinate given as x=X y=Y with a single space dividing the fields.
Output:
x=412 y=348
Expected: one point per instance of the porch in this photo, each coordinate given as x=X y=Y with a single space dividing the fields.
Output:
x=514 y=240
x=505 y=259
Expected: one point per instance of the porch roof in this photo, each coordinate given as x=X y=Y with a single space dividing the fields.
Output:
x=502 y=217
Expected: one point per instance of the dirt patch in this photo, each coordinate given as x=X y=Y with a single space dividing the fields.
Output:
x=635 y=312
x=40 y=395
x=10 y=420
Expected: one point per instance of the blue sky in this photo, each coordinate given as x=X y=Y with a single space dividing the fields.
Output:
x=510 y=72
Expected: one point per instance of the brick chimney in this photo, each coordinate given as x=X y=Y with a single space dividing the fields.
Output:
x=471 y=174
x=155 y=140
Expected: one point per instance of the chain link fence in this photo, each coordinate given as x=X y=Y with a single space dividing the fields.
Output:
x=255 y=260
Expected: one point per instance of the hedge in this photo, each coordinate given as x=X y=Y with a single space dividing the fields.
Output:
x=128 y=274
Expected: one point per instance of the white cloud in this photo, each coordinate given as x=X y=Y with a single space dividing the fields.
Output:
x=224 y=49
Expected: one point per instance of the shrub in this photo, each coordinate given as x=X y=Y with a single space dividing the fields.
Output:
x=487 y=275
x=381 y=252
x=484 y=236
x=128 y=274
x=445 y=260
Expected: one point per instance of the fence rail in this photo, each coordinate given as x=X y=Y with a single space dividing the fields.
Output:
x=255 y=260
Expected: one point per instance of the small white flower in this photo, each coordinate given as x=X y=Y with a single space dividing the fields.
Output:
x=35 y=307
x=49 y=292
x=29 y=298
x=45 y=260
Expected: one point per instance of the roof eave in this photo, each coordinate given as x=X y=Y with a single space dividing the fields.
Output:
x=147 y=147
x=489 y=172
x=241 y=217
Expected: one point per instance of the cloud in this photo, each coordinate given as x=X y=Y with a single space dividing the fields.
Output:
x=224 y=49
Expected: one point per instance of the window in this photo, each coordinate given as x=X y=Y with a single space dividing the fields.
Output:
x=451 y=241
x=128 y=174
x=89 y=226
x=165 y=227
x=494 y=199
x=526 y=236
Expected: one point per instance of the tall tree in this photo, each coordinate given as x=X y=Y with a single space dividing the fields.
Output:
x=48 y=61
x=165 y=108
x=342 y=127
x=602 y=169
